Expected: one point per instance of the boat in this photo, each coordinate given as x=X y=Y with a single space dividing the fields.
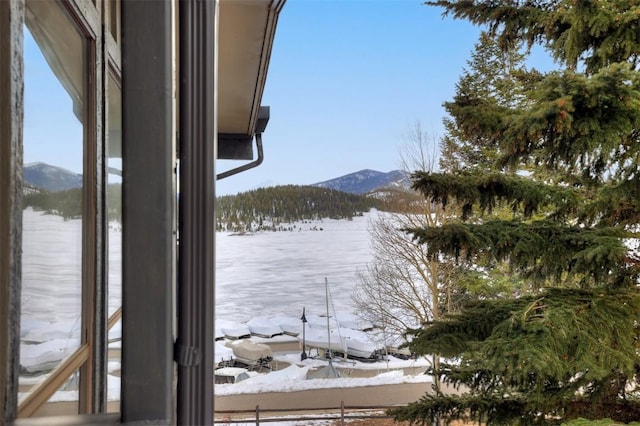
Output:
x=233 y=330
x=223 y=355
x=289 y=325
x=359 y=344
x=321 y=321
x=316 y=338
x=218 y=334
x=349 y=320
x=394 y=345
x=319 y=337
x=263 y=327
x=398 y=352
x=250 y=353
x=226 y=375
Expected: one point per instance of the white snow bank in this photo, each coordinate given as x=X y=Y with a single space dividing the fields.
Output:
x=292 y=379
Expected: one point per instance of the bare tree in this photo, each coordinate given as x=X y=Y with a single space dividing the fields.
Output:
x=420 y=150
x=403 y=288
x=399 y=288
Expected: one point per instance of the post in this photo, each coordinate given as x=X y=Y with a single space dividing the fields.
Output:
x=148 y=209
x=257 y=415
x=196 y=227
x=303 y=355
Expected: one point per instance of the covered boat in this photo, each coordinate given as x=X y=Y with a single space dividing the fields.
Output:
x=230 y=375
x=359 y=344
x=250 y=353
x=289 y=325
x=321 y=321
x=223 y=355
x=263 y=327
x=349 y=320
x=233 y=329
x=319 y=339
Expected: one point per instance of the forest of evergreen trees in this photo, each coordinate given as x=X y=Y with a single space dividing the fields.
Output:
x=268 y=208
x=68 y=203
x=256 y=210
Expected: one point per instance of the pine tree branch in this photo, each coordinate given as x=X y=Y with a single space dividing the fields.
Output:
x=488 y=190
x=538 y=250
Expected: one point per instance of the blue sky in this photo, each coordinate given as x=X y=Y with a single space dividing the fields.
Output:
x=347 y=79
x=52 y=133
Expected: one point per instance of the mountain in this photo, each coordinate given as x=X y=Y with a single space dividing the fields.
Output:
x=51 y=178
x=366 y=181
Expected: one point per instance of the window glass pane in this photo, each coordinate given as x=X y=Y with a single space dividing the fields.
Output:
x=55 y=58
x=114 y=212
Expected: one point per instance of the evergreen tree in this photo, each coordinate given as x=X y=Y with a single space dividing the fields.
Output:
x=494 y=79
x=568 y=347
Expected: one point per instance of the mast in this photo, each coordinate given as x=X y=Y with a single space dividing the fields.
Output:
x=330 y=370
x=326 y=299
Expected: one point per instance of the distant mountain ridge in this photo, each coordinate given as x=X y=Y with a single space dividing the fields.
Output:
x=58 y=191
x=54 y=178
x=51 y=178
x=367 y=180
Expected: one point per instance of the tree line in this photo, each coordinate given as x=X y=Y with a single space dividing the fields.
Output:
x=256 y=210
x=68 y=203
x=269 y=208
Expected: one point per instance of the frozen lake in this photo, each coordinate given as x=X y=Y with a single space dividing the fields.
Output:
x=262 y=274
x=258 y=275
x=281 y=272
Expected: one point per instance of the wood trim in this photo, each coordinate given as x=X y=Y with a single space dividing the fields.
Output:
x=11 y=121
x=113 y=55
x=87 y=16
x=92 y=389
x=112 y=15
x=84 y=20
x=114 y=318
x=41 y=393
x=72 y=420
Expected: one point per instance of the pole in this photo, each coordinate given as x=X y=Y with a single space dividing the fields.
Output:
x=303 y=355
x=196 y=256
x=326 y=291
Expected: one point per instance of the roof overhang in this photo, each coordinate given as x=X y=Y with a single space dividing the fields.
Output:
x=246 y=33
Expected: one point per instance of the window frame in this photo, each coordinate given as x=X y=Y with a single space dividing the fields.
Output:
x=150 y=325
x=90 y=357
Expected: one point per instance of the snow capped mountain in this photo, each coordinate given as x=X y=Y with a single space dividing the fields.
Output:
x=54 y=178
x=367 y=180
x=51 y=178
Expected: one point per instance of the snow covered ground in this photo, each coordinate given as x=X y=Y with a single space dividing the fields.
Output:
x=292 y=378
x=267 y=274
